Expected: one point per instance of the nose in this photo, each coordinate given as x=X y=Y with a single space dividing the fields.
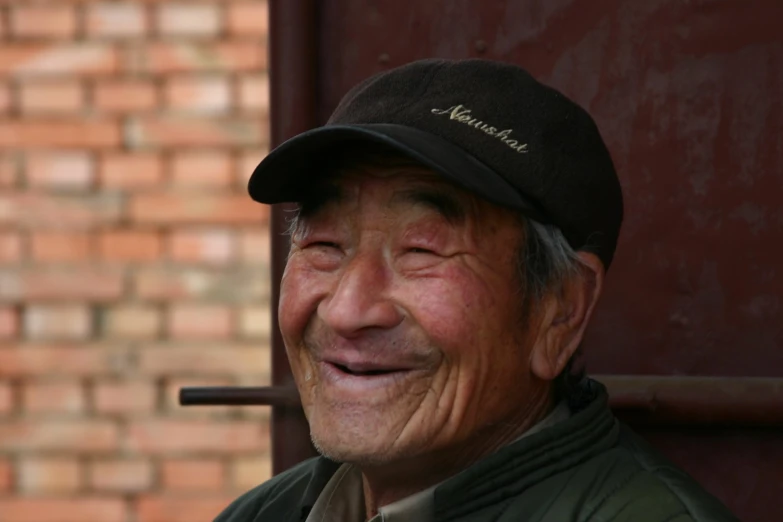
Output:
x=360 y=299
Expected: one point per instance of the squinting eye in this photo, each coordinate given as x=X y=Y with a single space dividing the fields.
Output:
x=327 y=244
x=419 y=250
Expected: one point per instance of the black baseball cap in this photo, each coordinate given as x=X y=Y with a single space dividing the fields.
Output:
x=488 y=126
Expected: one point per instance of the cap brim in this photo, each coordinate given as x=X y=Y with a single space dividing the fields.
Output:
x=290 y=169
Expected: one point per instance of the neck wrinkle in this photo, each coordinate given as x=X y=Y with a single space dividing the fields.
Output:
x=385 y=484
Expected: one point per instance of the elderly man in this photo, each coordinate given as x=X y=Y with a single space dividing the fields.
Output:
x=456 y=220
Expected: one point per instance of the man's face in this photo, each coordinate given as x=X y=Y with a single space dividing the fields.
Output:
x=401 y=314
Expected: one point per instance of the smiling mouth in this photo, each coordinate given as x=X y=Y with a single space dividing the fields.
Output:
x=367 y=373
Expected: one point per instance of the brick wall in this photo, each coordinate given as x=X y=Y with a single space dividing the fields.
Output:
x=131 y=261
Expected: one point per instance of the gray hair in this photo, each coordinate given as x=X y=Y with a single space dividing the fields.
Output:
x=545 y=262
x=546 y=259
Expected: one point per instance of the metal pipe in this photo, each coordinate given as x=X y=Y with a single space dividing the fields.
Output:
x=294 y=104
x=637 y=399
x=285 y=396
x=702 y=401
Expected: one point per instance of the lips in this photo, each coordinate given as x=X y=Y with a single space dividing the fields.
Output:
x=365 y=370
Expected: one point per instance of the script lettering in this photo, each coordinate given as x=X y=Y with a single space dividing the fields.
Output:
x=462 y=114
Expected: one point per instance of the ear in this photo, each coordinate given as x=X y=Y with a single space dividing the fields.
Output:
x=565 y=315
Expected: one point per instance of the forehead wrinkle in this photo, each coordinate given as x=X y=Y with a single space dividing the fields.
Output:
x=424 y=186
x=419 y=185
x=444 y=202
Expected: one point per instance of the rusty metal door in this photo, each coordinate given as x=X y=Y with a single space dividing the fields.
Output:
x=689 y=97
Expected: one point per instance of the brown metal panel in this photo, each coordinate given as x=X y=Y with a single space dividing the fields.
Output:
x=293 y=94
x=688 y=97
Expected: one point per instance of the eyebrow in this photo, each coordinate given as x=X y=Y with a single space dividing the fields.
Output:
x=447 y=205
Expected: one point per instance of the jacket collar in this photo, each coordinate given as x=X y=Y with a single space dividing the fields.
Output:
x=508 y=472
x=322 y=472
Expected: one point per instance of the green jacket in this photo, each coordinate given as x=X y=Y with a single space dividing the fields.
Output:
x=589 y=468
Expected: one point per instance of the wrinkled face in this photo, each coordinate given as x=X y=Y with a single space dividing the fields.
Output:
x=400 y=310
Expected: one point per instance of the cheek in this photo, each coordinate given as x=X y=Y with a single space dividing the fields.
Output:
x=300 y=291
x=465 y=316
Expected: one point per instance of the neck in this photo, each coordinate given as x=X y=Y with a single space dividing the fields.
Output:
x=389 y=482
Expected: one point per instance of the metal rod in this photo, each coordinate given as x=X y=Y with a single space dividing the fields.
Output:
x=240 y=396
x=703 y=401
x=656 y=400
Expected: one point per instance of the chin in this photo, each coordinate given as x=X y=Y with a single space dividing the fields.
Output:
x=355 y=443
x=352 y=455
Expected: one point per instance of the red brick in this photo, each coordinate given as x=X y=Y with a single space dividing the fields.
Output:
x=179 y=19
x=51 y=97
x=171 y=285
x=190 y=56
x=196 y=209
x=120 y=475
x=43 y=21
x=116 y=20
x=66 y=322
x=132 y=321
x=39 y=360
x=10 y=246
x=255 y=322
x=131 y=171
x=241 y=285
x=6 y=101
x=85 y=284
x=248 y=472
x=180 y=509
x=254 y=93
x=247 y=162
x=200 y=322
x=125 y=95
x=58 y=211
x=248 y=18
x=9 y=322
x=48 y=247
x=198 y=94
x=70 y=59
x=208 y=361
x=129 y=245
x=193 y=131
x=193 y=475
x=23 y=134
x=72 y=170
x=209 y=168
x=7 y=406
x=218 y=247
x=6 y=475
x=63 y=509
x=53 y=397
x=255 y=246
x=124 y=397
x=9 y=170
x=49 y=475
x=174 y=437
x=88 y=436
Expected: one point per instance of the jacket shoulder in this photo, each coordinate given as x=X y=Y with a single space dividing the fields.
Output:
x=651 y=489
x=275 y=499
